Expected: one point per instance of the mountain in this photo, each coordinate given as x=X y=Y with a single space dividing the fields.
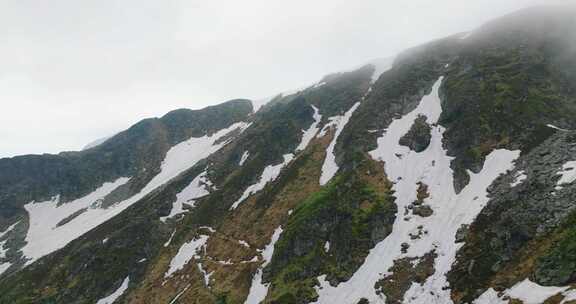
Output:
x=445 y=175
x=97 y=142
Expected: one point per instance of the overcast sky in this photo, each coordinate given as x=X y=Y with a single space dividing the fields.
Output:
x=74 y=71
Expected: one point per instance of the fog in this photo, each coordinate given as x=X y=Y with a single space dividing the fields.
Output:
x=74 y=71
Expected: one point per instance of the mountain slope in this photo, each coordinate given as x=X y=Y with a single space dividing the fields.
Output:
x=446 y=176
x=68 y=194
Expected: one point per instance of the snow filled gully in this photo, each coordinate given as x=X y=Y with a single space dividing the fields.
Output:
x=330 y=167
x=272 y=172
x=196 y=189
x=407 y=169
x=259 y=290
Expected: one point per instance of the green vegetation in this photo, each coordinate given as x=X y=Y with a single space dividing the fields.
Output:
x=345 y=213
x=558 y=266
x=500 y=97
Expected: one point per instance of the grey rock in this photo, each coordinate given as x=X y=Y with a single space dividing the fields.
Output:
x=419 y=136
x=423 y=210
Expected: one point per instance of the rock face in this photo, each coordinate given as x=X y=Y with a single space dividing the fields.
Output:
x=223 y=205
x=405 y=272
x=423 y=211
x=418 y=138
x=527 y=221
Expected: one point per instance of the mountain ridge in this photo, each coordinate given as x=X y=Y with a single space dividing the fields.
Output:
x=441 y=178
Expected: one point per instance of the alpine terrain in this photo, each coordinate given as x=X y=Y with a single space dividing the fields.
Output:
x=446 y=174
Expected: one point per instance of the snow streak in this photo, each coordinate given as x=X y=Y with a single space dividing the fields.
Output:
x=330 y=167
x=258 y=290
x=45 y=236
x=308 y=135
x=270 y=173
x=116 y=294
x=519 y=178
x=244 y=158
x=567 y=174
x=196 y=189
x=526 y=291
x=186 y=252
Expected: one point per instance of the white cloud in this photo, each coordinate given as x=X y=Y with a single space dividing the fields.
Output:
x=73 y=71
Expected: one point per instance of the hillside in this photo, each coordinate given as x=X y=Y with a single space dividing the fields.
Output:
x=444 y=176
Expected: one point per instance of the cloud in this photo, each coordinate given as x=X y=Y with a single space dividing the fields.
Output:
x=73 y=71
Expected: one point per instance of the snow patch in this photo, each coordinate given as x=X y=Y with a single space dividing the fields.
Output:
x=319 y=84
x=10 y=228
x=380 y=66
x=244 y=158
x=44 y=236
x=212 y=230
x=259 y=103
x=531 y=293
x=258 y=290
x=519 y=178
x=205 y=274
x=116 y=294
x=557 y=128
x=4 y=267
x=253 y=260
x=269 y=174
x=170 y=239
x=310 y=133
x=187 y=153
x=431 y=167
x=180 y=294
x=526 y=291
x=567 y=174
x=569 y=295
x=490 y=296
x=329 y=167
x=332 y=122
x=186 y=252
x=2 y=249
x=196 y=189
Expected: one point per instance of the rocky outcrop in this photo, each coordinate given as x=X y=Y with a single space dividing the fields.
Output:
x=403 y=274
x=352 y=213
x=523 y=227
x=506 y=85
x=418 y=138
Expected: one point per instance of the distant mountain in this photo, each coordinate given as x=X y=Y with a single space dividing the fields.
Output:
x=97 y=142
x=444 y=175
